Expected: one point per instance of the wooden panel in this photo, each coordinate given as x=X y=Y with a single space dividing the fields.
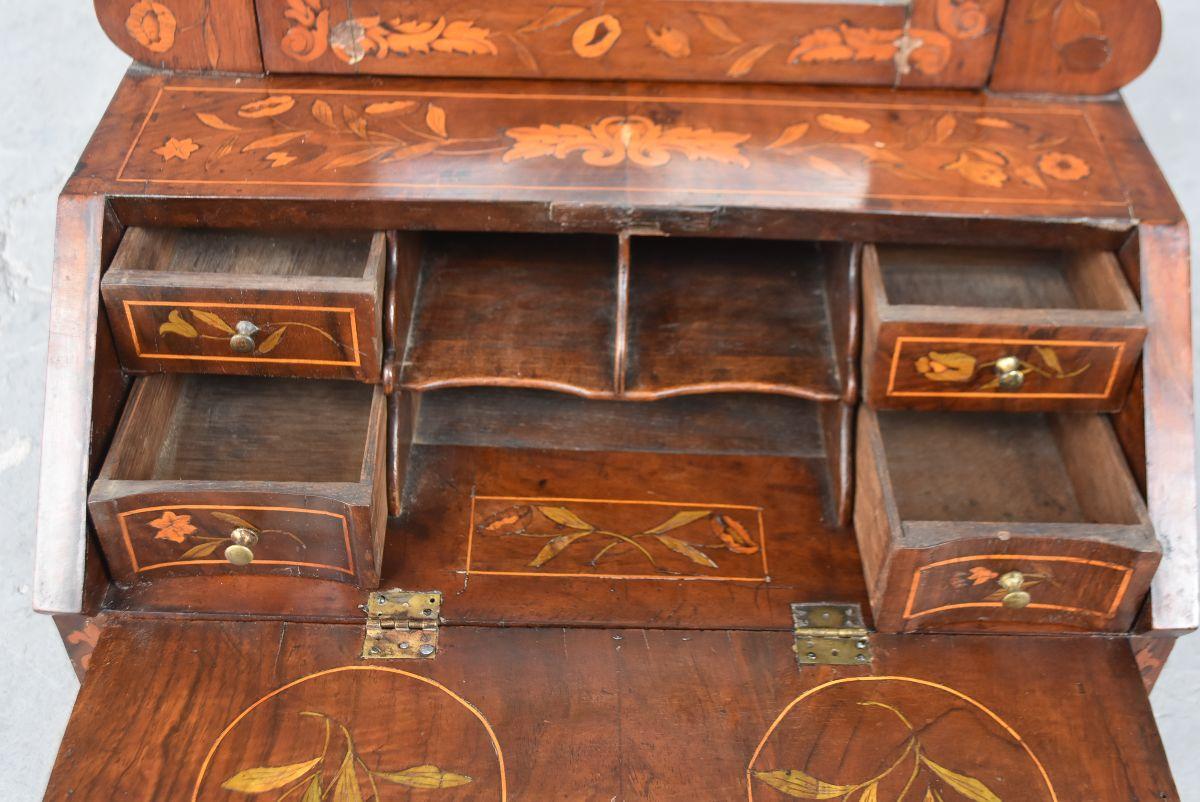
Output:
x=758 y=147
x=514 y=310
x=477 y=519
x=730 y=316
x=185 y=34
x=945 y=43
x=597 y=715
x=177 y=300
x=80 y=634
x=948 y=504
x=940 y=320
x=298 y=463
x=1085 y=47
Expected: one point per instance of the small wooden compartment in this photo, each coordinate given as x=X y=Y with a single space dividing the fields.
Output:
x=997 y=329
x=957 y=512
x=297 y=464
x=280 y=304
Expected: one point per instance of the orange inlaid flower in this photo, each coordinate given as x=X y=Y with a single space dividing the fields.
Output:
x=978 y=171
x=173 y=527
x=1064 y=166
x=980 y=575
x=181 y=149
x=949 y=367
x=152 y=25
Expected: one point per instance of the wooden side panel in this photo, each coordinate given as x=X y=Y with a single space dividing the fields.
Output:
x=1086 y=47
x=185 y=34
x=600 y=714
x=938 y=43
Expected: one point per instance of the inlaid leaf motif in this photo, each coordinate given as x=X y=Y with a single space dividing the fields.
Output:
x=268 y=778
x=944 y=128
x=797 y=784
x=989 y=155
x=358 y=157
x=679 y=519
x=842 y=124
x=177 y=325
x=1050 y=358
x=313 y=792
x=1030 y=176
x=742 y=65
x=390 y=107
x=345 y=788
x=686 y=549
x=212 y=46
x=870 y=793
x=412 y=151
x=271 y=106
x=719 y=28
x=993 y=122
x=829 y=168
x=201 y=550
x=355 y=121
x=272 y=340
x=273 y=141
x=435 y=118
x=564 y=517
x=233 y=519
x=424 y=777
x=554 y=17
x=793 y=133
x=514 y=518
x=555 y=547
x=322 y=112
x=213 y=320
x=968 y=787
x=215 y=121
x=461 y=36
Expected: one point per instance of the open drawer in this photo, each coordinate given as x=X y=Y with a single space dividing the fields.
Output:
x=283 y=304
x=999 y=521
x=215 y=475
x=997 y=329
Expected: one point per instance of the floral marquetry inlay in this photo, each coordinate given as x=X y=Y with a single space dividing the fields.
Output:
x=777 y=147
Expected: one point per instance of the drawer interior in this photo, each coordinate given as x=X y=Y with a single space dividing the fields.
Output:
x=228 y=252
x=1002 y=278
x=627 y=317
x=242 y=429
x=1004 y=467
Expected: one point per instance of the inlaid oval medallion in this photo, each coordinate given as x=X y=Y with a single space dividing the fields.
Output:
x=884 y=739
x=355 y=733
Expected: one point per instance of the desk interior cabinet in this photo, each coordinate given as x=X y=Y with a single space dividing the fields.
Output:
x=417 y=433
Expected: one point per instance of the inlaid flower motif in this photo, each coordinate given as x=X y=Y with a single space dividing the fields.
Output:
x=181 y=149
x=974 y=578
x=947 y=367
x=978 y=171
x=1064 y=166
x=173 y=527
x=152 y=25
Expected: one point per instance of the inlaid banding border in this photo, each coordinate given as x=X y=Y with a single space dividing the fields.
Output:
x=901 y=341
x=1124 y=571
x=349 y=312
x=137 y=568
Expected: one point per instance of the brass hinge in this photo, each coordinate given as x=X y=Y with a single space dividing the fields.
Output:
x=402 y=624
x=830 y=635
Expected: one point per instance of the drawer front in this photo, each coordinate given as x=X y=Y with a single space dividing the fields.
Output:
x=945 y=367
x=1062 y=590
x=334 y=339
x=143 y=537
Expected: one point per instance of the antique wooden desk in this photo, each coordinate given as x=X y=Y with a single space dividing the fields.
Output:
x=473 y=408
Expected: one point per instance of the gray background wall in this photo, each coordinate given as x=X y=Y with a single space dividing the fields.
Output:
x=58 y=73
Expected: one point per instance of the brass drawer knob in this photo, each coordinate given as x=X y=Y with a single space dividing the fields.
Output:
x=240 y=553
x=1008 y=369
x=1015 y=596
x=242 y=341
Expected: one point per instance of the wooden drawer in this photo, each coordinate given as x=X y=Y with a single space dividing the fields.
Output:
x=207 y=301
x=999 y=521
x=297 y=464
x=994 y=329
